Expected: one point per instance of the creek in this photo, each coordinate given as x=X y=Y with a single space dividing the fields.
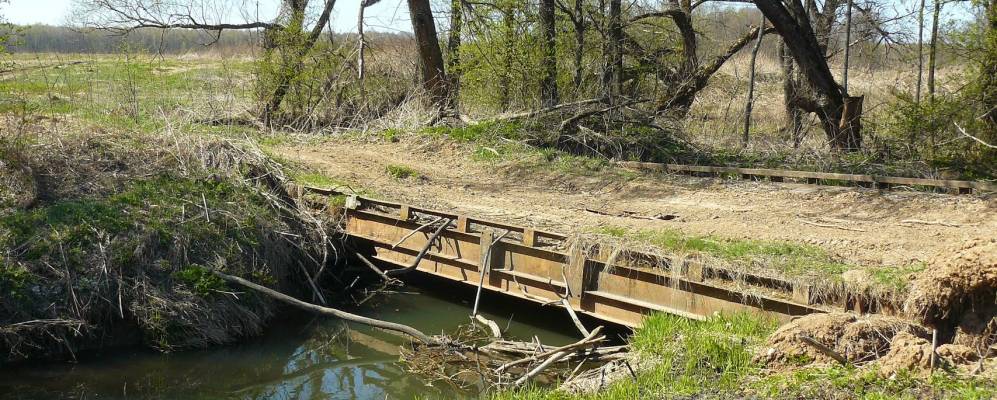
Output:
x=298 y=357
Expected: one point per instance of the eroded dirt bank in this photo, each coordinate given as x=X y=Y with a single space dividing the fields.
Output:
x=861 y=226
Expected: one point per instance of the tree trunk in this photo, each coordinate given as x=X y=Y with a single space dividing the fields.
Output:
x=453 y=49
x=933 y=50
x=848 y=46
x=794 y=114
x=683 y=21
x=505 y=79
x=794 y=26
x=548 y=44
x=579 y=22
x=988 y=70
x=920 y=53
x=751 y=86
x=614 y=65
x=434 y=76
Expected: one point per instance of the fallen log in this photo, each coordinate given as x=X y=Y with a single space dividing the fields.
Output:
x=332 y=312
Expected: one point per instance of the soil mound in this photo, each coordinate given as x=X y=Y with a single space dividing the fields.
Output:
x=907 y=352
x=858 y=339
x=958 y=294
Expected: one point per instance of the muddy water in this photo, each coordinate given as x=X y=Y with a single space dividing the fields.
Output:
x=299 y=358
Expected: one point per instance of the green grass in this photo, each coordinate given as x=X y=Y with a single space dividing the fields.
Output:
x=482 y=131
x=133 y=92
x=401 y=171
x=315 y=179
x=867 y=383
x=789 y=258
x=712 y=359
x=695 y=358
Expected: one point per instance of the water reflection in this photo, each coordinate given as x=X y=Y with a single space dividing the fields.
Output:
x=300 y=358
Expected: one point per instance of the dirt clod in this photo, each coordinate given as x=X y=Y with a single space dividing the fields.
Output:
x=907 y=352
x=857 y=338
x=958 y=294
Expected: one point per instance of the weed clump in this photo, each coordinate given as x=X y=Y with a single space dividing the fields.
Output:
x=401 y=171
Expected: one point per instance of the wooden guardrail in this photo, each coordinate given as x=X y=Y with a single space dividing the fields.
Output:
x=547 y=267
x=817 y=178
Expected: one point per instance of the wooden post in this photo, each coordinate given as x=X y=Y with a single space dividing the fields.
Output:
x=529 y=237
x=575 y=275
x=462 y=224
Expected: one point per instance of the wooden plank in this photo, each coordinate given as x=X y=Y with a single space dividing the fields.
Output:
x=780 y=174
x=530 y=277
x=646 y=305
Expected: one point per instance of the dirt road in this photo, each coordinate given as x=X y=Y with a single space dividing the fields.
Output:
x=861 y=226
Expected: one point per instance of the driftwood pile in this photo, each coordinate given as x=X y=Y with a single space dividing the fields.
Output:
x=504 y=364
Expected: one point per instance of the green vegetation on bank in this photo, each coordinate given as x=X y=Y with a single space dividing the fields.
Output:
x=108 y=240
x=789 y=260
x=713 y=359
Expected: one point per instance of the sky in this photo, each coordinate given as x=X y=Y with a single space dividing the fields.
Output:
x=386 y=15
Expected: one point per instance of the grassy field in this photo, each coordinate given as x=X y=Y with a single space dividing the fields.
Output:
x=214 y=97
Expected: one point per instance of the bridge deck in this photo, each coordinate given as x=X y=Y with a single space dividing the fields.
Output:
x=543 y=267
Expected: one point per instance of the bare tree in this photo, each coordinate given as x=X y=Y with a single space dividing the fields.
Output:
x=548 y=44
x=613 y=78
x=686 y=81
x=827 y=101
x=434 y=75
x=577 y=16
x=749 y=103
x=933 y=48
x=453 y=47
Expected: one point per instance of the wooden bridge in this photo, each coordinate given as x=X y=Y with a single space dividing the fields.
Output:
x=546 y=267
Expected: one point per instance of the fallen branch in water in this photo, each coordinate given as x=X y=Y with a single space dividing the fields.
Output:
x=387 y=279
x=591 y=338
x=391 y=326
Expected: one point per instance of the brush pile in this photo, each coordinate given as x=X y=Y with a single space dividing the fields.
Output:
x=474 y=363
x=106 y=239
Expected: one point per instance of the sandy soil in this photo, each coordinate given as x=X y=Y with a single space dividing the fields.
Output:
x=861 y=226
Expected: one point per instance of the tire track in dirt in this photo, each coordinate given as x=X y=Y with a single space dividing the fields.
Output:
x=862 y=226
